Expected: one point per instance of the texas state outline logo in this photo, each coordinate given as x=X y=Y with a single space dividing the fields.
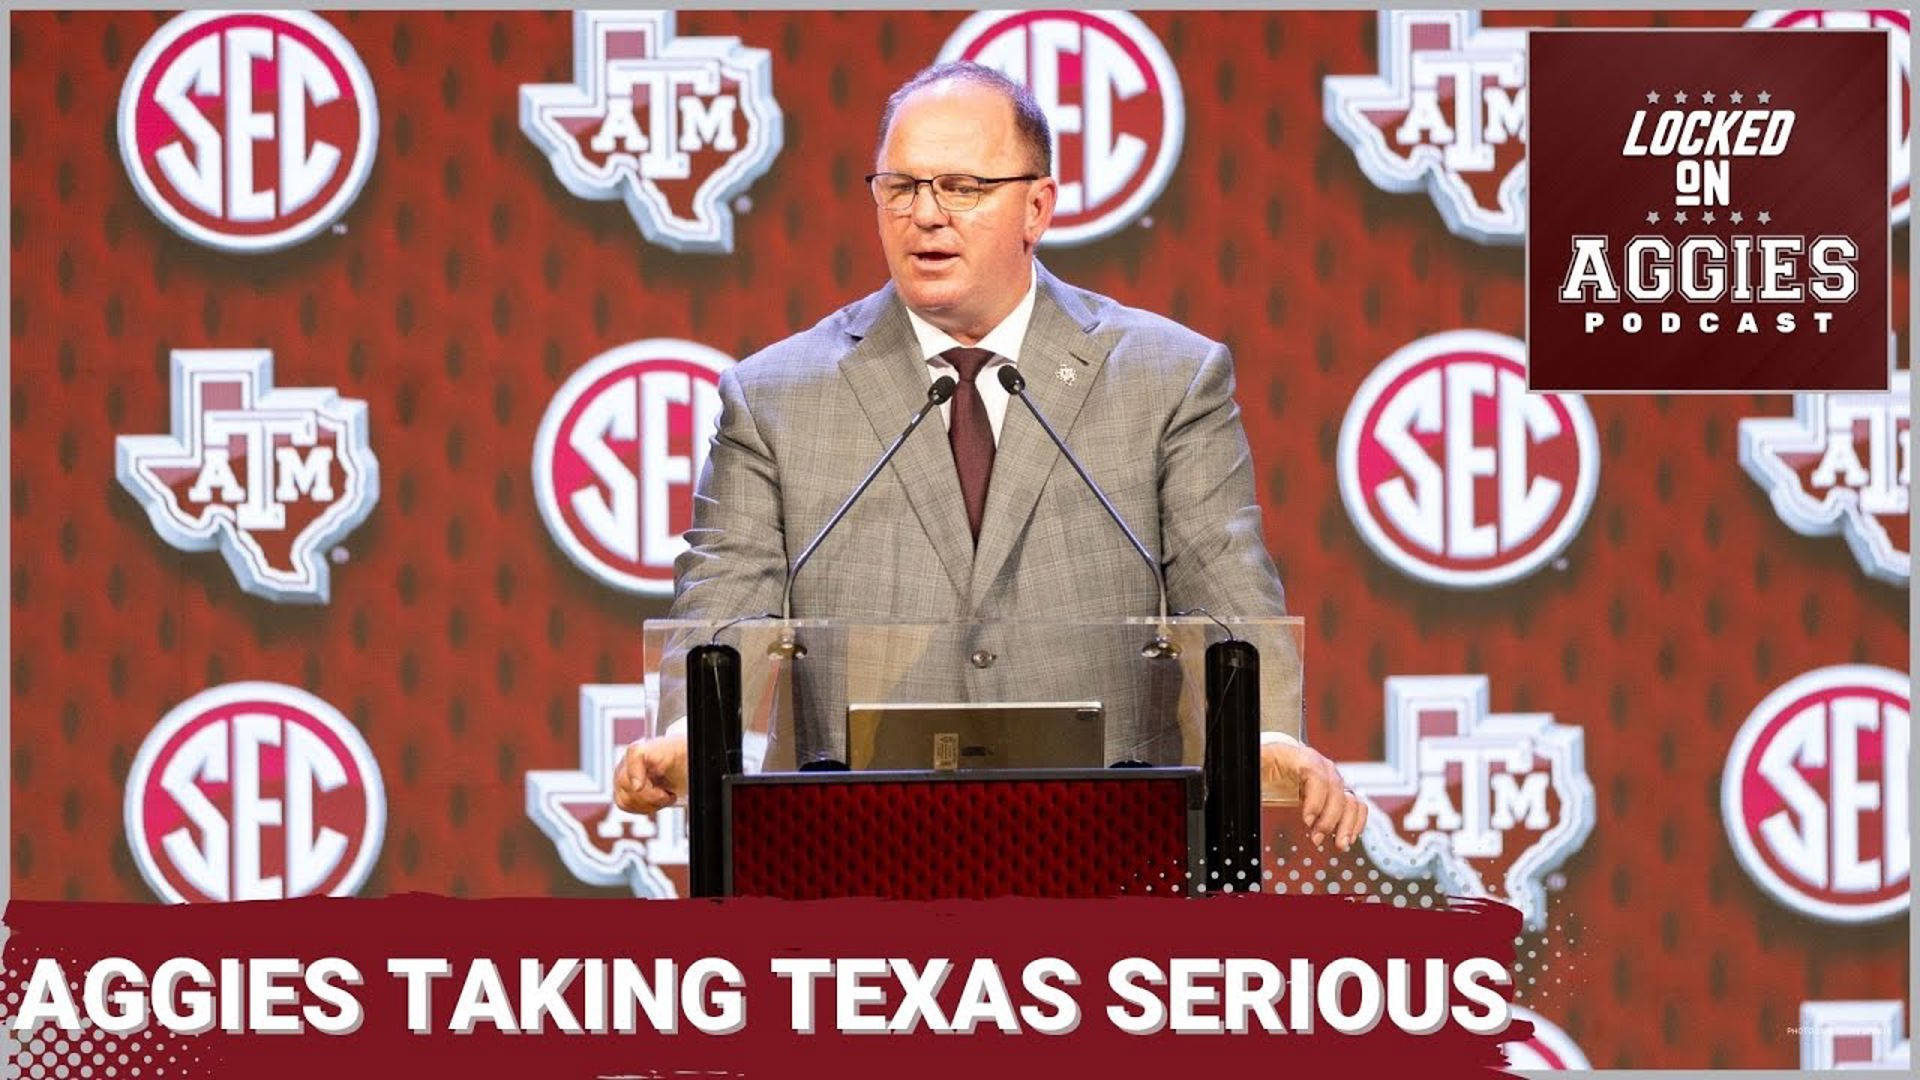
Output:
x=1842 y=464
x=677 y=128
x=272 y=478
x=1487 y=804
x=1411 y=128
x=599 y=843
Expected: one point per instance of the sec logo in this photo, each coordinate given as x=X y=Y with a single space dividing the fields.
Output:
x=1900 y=51
x=1456 y=475
x=248 y=131
x=1814 y=794
x=617 y=455
x=1112 y=97
x=254 y=791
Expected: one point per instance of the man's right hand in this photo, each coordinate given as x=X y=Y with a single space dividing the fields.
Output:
x=652 y=775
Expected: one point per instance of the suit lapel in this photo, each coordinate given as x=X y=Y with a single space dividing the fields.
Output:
x=886 y=377
x=1059 y=338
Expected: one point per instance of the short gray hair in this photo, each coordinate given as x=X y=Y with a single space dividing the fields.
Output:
x=1028 y=119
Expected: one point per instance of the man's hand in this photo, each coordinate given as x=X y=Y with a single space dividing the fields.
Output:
x=1327 y=805
x=651 y=775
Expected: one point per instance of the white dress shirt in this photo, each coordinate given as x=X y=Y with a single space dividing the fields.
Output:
x=1003 y=341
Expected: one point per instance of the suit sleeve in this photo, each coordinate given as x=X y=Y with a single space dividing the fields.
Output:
x=735 y=565
x=1216 y=551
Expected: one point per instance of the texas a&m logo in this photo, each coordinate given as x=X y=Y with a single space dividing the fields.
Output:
x=1448 y=113
x=1111 y=96
x=1854 y=1035
x=1899 y=26
x=1842 y=464
x=600 y=843
x=1814 y=794
x=254 y=791
x=273 y=478
x=1485 y=803
x=675 y=127
x=1548 y=1049
x=248 y=131
x=1456 y=475
x=617 y=455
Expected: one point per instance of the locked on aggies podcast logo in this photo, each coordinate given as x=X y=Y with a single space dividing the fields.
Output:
x=1112 y=98
x=248 y=131
x=1485 y=803
x=254 y=791
x=1843 y=463
x=1899 y=27
x=272 y=477
x=675 y=127
x=1457 y=476
x=600 y=843
x=1814 y=794
x=617 y=455
x=1448 y=113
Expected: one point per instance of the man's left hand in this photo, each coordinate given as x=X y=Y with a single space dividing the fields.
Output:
x=1328 y=807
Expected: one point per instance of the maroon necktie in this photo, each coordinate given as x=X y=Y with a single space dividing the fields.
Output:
x=971 y=434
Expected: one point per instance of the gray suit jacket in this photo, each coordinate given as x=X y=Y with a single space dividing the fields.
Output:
x=1145 y=403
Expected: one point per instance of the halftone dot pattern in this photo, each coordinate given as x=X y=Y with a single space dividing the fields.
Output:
x=468 y=284
x=50 y=1052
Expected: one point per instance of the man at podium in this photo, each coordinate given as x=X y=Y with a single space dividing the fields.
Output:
x=987 y=522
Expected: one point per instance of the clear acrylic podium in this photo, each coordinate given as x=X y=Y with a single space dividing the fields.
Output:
x=774 y=810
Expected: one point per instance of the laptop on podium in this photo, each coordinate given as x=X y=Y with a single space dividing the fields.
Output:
x=952 y=737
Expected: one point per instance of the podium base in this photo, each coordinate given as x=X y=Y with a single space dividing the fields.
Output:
x=965 y=835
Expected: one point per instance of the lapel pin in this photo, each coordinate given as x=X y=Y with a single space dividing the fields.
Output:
x=1065 y=374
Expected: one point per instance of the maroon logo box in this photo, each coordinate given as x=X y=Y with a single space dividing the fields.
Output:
x=1707 y=211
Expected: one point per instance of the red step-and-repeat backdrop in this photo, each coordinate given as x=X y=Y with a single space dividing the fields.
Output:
x=363 y=363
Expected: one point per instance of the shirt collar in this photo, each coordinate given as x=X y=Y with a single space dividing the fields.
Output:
x=1002 y=340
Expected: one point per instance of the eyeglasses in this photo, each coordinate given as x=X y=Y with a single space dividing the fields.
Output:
x=952 y=192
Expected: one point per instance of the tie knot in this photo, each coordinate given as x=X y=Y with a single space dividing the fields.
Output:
x=968 y=362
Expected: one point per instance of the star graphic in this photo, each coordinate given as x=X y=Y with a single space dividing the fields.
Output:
x=1653 y=97
x=1765 y=97
x=1653 y=217
x=1765 y=217
x=1707 y=97
x=1735 y=217
x=1734 y=97
x=1679 y=217
x=1707 y=217
x=1680 y=97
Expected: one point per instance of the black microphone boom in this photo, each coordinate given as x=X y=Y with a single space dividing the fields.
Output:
x=937 y=395
x=1016 y=385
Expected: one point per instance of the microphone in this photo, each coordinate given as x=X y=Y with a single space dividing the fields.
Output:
x=937 y=395
x=1016 y=386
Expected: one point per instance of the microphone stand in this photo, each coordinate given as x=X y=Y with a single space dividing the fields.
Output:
x=1162 y=646
x=937 y=395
